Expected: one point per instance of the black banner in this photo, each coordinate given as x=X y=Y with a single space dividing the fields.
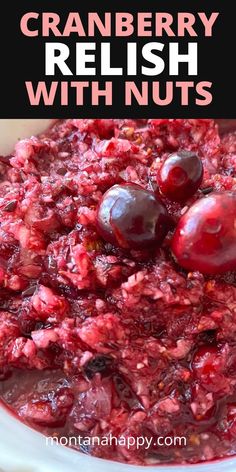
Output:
x=117 y=59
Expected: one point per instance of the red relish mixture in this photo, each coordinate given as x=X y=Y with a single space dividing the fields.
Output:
x=109 y=324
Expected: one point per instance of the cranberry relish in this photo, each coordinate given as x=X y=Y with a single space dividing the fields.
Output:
x=99 y=338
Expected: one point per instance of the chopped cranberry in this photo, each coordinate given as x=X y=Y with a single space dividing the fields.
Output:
x=46 y=302
x=202 y=405
x=131 y=217
x=99 y=364
x=180 y=175
x=207 y=361
x=48 y=409
x=205 y=237
x=209 y=366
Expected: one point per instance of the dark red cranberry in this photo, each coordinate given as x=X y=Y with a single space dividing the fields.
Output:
x=131 y=217
x=180 y=176
x=101 y=364
x=205 y=237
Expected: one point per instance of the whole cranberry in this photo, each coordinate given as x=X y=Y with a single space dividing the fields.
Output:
x=205 y=237
x=131 y=217
x=180 y=176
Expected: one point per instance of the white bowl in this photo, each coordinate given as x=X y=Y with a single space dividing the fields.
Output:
x=13 y=130
x=25 y=450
